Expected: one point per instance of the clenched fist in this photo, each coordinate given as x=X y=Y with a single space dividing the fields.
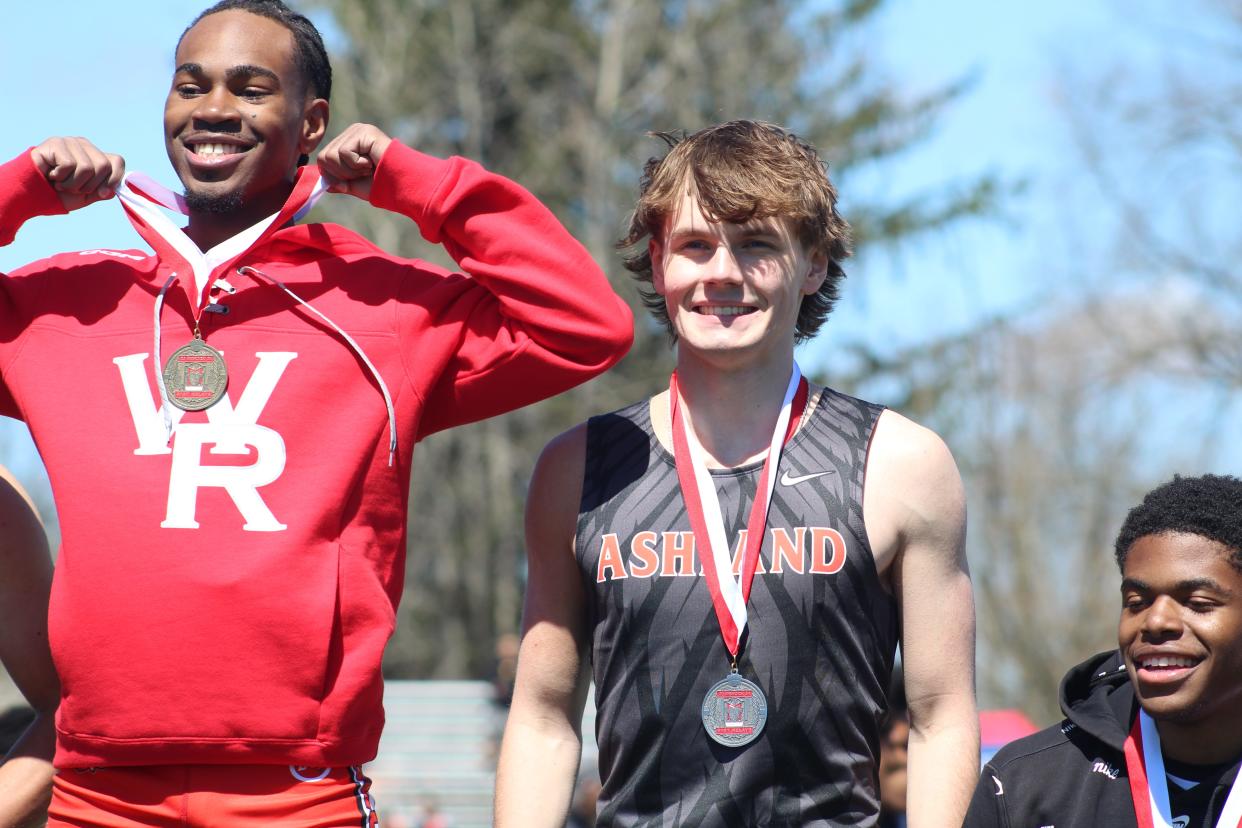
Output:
x=80 y=173
x=349 y=161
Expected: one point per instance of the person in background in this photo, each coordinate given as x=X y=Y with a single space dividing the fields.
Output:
x=1152 y=734
x=894 y=754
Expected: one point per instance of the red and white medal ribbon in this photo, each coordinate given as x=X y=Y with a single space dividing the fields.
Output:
x=141 y=196
x=729 y=595
x=1149 y=786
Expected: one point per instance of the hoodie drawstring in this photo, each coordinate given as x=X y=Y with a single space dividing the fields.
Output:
x=245 y=270
x=157 y=366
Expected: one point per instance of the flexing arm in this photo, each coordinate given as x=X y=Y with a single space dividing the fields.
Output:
x=543 y=740
x=59 y=175
x=26 y=775
x=914 y=499
x=539 y=316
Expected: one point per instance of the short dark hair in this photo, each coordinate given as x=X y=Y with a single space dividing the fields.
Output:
x=1209 y=506
x=742 y=170
x=308 y=48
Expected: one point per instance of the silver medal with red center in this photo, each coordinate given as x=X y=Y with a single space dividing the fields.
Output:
x=734 y=711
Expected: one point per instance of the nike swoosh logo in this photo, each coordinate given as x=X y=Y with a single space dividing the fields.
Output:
x=786 y=480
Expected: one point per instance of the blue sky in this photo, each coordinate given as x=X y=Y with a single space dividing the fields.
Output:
x=1008 y=123
x=101 y=70
x=108 y=81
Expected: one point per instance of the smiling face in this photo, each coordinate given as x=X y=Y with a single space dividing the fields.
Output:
x=1181 y=636
x=238 y=115
x=733 y=290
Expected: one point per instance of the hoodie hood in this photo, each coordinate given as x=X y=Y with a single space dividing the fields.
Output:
x=139 y=195
x=1097 y=697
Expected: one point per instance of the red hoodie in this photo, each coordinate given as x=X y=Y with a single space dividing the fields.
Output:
x=226 y=596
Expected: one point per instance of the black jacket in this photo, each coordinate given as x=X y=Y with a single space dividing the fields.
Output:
x=1072 y=775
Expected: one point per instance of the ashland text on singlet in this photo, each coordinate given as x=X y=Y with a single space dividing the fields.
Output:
x=821 y=634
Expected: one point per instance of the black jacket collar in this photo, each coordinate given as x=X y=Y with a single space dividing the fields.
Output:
x=1097 y=697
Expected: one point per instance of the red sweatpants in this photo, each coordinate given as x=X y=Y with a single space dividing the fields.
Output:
x=206 y=796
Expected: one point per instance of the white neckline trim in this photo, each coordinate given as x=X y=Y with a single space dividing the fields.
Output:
x=202 y=263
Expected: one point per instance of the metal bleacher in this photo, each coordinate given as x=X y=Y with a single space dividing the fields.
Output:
x=439 y=748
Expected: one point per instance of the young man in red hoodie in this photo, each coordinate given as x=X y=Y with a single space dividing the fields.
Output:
x=733 y=561
x=228 y=424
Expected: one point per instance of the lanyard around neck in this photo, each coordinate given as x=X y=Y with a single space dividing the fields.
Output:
x=729 y=595
x=1149 y=786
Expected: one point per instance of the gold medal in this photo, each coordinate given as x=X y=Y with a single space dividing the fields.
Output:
x=195 y=376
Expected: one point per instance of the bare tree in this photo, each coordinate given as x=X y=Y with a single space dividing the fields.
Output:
x=1161 y=140
x=1057 y=432
x=1062 y=418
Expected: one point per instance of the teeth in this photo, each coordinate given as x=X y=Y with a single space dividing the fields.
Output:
x=214 y=149
x=1168 y=661
x=725 y=310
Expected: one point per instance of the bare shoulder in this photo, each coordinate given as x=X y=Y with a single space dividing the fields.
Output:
x=564 y=455
x=903 y=446
x=556 y=491
x=913 y=492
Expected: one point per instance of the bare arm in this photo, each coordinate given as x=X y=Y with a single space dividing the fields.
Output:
x=915 y=501
x=543 y=739
x=26 y=775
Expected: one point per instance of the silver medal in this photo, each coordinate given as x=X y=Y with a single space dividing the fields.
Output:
x=734 y=711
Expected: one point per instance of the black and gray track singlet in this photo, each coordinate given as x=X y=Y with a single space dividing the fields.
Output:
x=820 y=640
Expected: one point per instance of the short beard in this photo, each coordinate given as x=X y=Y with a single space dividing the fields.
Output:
x=216 y=204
